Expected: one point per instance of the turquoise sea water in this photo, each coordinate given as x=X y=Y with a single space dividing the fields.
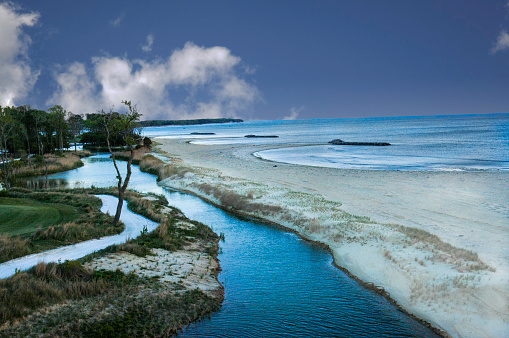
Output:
x=467 y=142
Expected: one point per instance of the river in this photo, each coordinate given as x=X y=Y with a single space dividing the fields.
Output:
x=276 y=284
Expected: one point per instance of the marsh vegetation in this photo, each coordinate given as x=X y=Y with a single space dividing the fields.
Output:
x=72 y=299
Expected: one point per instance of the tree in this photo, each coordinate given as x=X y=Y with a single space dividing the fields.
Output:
x=123 y=126
x=26 y=117
x=7 y=132
x=76 y=126
x=41 y=118
x=58 y=126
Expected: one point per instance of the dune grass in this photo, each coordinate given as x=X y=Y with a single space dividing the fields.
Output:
x=68 y=300
x=25 y=216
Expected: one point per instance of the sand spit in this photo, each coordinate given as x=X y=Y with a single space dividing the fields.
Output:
x=436 y=242
x=192 y=270
x=191 y=267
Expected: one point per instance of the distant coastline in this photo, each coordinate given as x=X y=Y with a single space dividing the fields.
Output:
x=159 y=123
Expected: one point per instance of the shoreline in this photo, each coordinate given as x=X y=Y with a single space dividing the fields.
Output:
x=205 y=168
x=368 y=285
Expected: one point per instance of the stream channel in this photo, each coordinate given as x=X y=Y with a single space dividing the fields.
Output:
x=276 y=284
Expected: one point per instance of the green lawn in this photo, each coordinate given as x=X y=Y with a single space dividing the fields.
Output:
x=19 y=216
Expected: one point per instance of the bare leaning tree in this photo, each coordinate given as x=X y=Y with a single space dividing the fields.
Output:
x=122 y=130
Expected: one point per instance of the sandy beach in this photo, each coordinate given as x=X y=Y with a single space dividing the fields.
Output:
x=436 y=242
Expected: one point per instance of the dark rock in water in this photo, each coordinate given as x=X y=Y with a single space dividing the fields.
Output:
x=261 y=136
x=343 y=143
x=198 y=133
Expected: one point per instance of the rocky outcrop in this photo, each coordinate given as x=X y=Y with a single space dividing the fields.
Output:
x=343 y=143
x=261 y=136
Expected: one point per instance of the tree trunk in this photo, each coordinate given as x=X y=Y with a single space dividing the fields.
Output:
x=119 y=207
x=123 y=186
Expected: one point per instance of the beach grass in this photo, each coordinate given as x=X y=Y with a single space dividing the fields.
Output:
x=50 y=163
x=68 y=300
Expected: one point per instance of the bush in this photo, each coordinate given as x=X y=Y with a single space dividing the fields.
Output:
x=39 y=159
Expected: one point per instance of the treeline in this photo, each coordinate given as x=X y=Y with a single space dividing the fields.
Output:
x=158 y=123
x=29 y=131
x=26 y=131
x=95 y=135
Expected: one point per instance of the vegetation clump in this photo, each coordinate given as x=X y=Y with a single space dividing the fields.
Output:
x=70 y=299
x=86 y=223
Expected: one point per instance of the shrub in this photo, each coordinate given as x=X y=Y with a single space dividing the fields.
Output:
x=13 y=247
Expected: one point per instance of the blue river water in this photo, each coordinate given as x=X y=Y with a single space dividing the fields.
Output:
x=276 y=284
x=467 y=142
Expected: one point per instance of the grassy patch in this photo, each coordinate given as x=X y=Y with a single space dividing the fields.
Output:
x=24 y=215
x=148 y=163
x=47 y=284
x=444 y=252
x=53 y=219
x=96 y=304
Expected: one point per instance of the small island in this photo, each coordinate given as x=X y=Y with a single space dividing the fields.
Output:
x=199 y=133
x=343 y=143
x=261 y=136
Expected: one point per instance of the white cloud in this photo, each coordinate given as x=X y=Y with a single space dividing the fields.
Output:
x=16 y=76
x=502 y=42
x=294 y=113
x=150 y=42
x=76 y=90
x=117 y=21
x=196 y=65
x=193 y=82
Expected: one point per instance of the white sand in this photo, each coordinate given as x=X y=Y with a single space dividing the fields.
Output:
x=188 y=268
x=446 y=287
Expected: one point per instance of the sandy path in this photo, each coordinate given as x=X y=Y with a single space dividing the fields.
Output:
x=469 y=210
x=134 y=224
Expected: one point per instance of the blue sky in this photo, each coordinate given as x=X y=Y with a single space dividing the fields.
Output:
x=258 y=59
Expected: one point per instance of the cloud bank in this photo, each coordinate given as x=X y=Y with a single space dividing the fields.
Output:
x=16 y=76
x=193 y=82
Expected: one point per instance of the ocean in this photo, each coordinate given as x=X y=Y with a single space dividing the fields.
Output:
x=462 y=143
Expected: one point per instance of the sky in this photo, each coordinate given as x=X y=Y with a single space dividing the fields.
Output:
x=257 y=60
